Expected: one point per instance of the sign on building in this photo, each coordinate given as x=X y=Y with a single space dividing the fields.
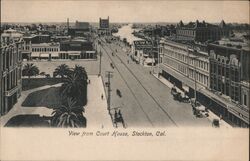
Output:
x=142 y=44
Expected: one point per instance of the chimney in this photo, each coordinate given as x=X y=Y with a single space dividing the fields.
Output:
x=68 y=23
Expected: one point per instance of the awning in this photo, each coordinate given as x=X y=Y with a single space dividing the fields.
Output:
x=200 y=108
x=72 y=54
x=35 y=54
x=90 y=51
x=44 y=55
x=233 y=108
x=54 y=54
x=149 y=60
x=185 y=87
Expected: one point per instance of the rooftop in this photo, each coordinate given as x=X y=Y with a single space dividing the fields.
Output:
x=198 y=24
x=233 y=43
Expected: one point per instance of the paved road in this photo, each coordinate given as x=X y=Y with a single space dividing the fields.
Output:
x=145 y=101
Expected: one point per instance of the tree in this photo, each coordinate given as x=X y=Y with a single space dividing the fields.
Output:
x=69 y=115
x=62 y=70
x=81 y=73
x=30 y=70
x=72 y=86
x=75 y=85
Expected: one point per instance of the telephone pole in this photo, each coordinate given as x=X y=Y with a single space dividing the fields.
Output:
x=100 y=64
x=158 y=49
x=109 y=74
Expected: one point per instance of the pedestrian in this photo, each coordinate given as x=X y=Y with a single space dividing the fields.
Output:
x=119 y=113
x=102 y=96
x=89 y=81
x=220 y=117
x=116 y=114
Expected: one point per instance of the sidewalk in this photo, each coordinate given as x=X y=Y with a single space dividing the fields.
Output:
x=166 y=82
x=96 y=110
x=211 y=116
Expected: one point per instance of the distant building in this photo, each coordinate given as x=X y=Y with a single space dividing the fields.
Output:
x=60 y=38
x=230 y=80
x=77 y=49
x=143 y=52
x=80 y=29
x=31 y=40
x=46 y=51
x=104 y=28
x=10 y=69
x=201 y=31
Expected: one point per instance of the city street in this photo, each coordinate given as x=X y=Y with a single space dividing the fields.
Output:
x=145 y=101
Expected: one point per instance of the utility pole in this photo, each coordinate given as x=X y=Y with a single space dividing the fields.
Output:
x=152 y=51
x=100 y=65
x=158 y=49
x=109 y=74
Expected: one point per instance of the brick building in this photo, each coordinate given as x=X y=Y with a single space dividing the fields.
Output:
x=201 y=31
x=10 y=69
x=230 y=78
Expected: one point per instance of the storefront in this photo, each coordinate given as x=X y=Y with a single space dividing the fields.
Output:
x=230 y=112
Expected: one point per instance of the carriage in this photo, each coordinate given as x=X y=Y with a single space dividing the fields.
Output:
x=179 y=97
x=118 y=118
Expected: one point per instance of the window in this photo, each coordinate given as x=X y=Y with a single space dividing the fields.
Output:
x=245 y=100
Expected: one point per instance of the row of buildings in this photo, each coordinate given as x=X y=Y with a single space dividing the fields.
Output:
x=77 y=48
x=37 y=47
x=17 y=46
x=204 y=58
x=220 y=75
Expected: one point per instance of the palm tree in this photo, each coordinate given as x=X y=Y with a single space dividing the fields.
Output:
x=30 y=70
x=72 y=86
x=69 y=115
x=81 y=73
x=62 y=70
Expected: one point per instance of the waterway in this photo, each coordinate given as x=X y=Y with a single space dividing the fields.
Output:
x=126 y=32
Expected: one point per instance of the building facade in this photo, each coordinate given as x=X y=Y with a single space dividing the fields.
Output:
x=77 y=49
x=143 y=52
x=46 y=51
x=183 y=65
x=230 y=77
x=10 y=70
x=201 y=31
x=104 y=27
x=33 y=40
x=80 y=29
x=219 y=75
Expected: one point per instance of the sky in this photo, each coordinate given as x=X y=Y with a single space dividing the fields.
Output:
x=124 y=11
